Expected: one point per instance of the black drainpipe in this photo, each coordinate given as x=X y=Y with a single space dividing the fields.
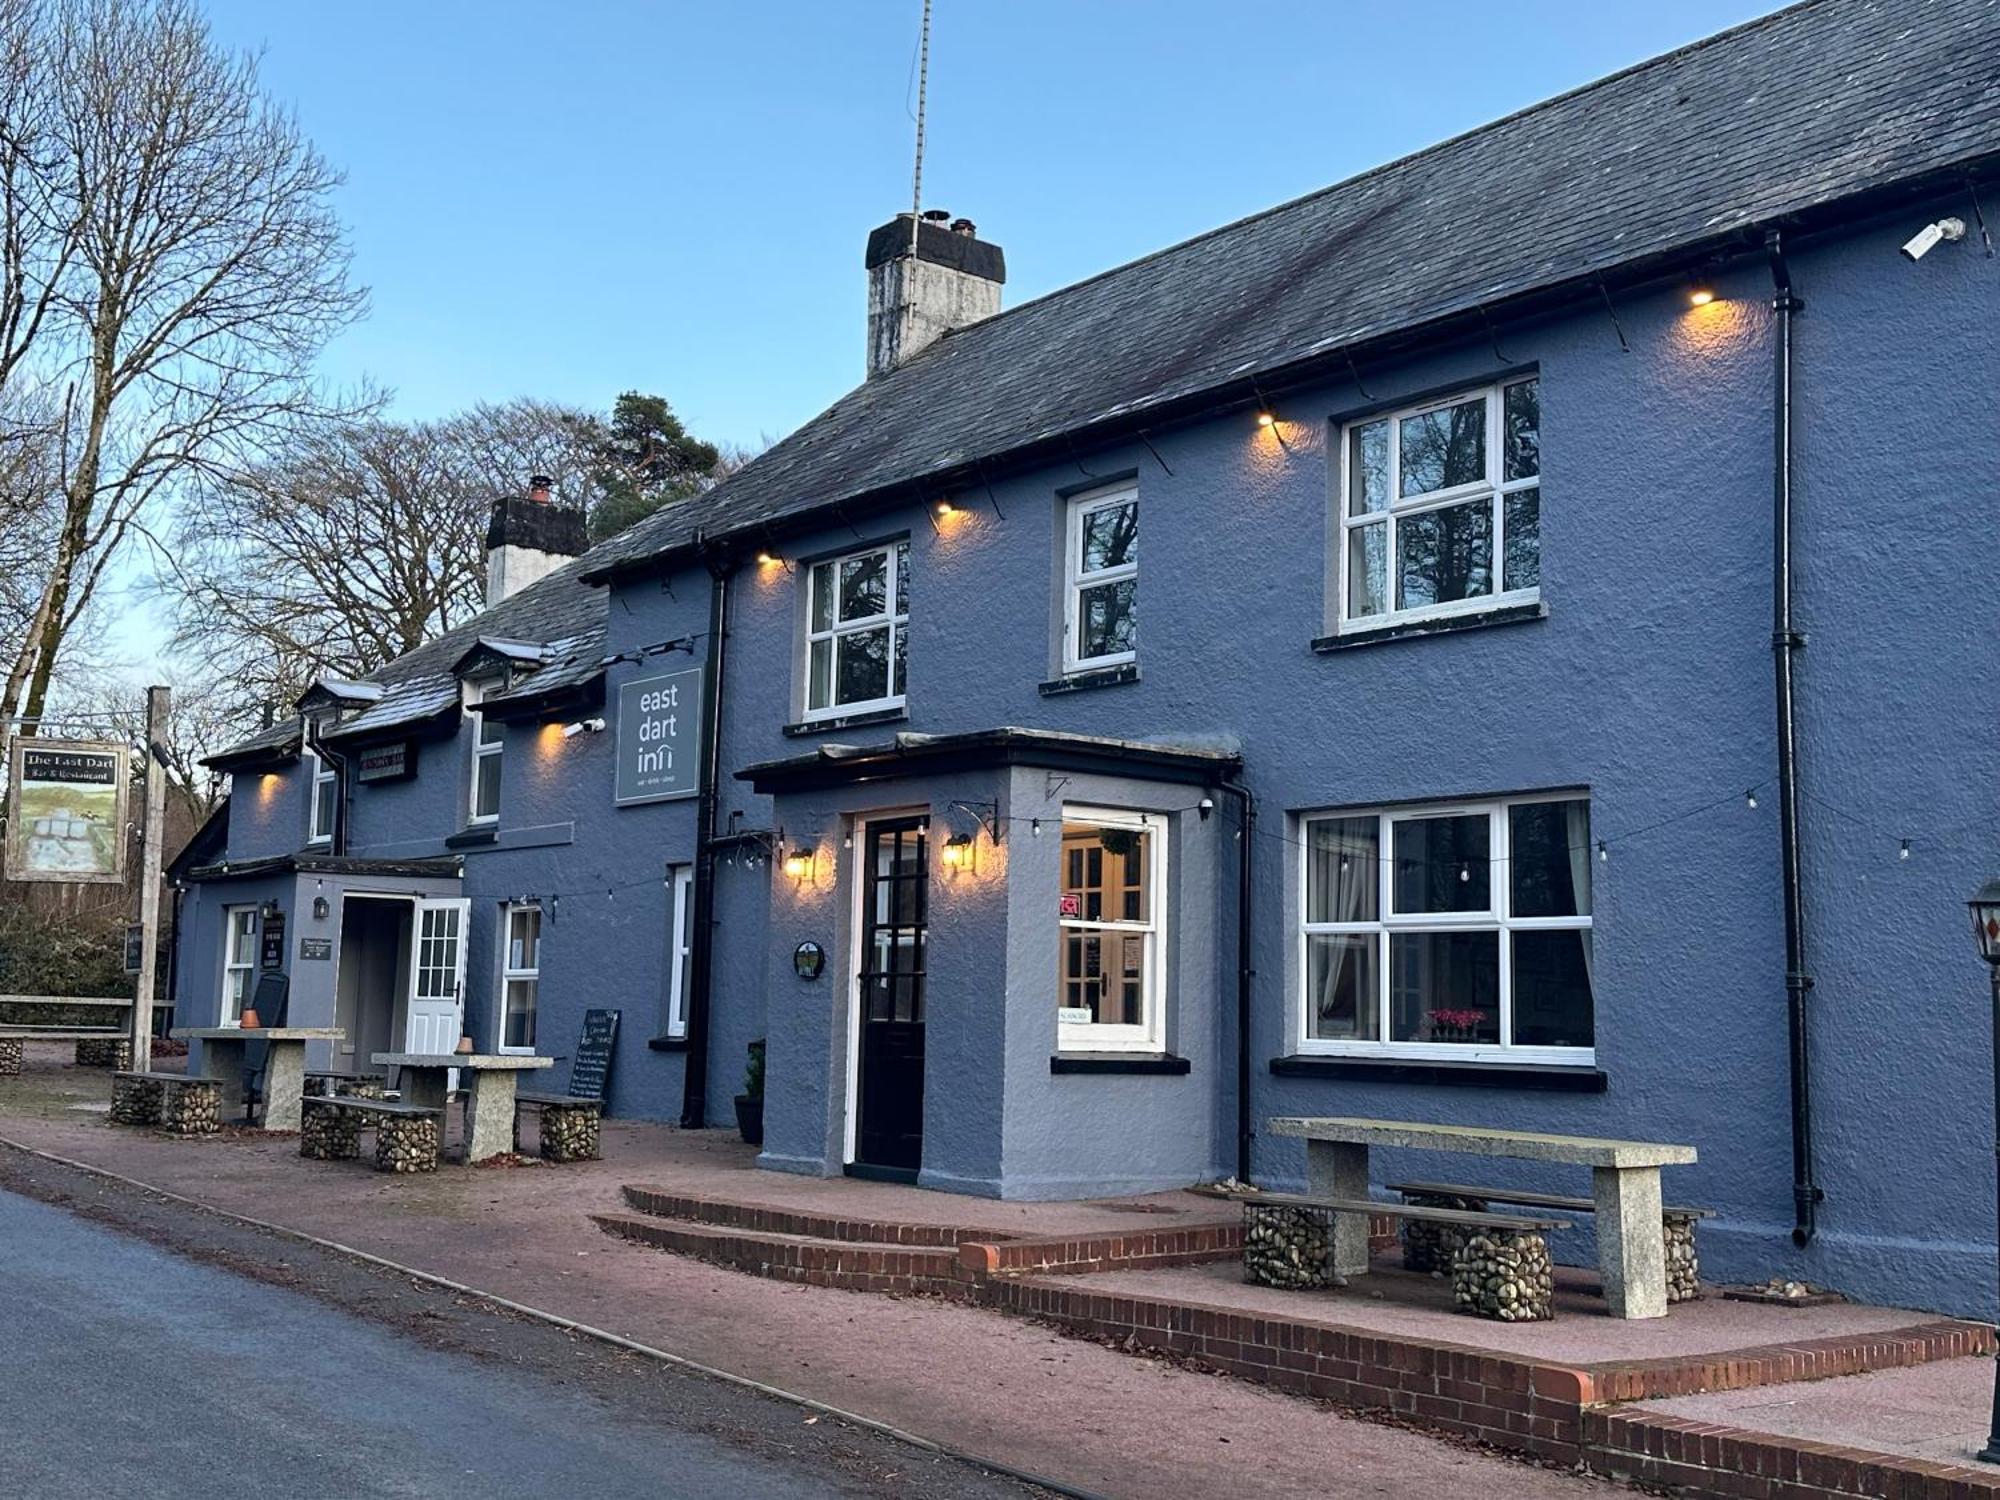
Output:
x=1247 y=831
x=701 y=947
x=1786 y=642
x=337 y=840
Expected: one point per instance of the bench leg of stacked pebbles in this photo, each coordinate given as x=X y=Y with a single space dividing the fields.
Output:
x=136 y=1101
x=1432 y=1248
x=192 y=1106
x=329 y=1133
x=1505 y=1276
x=10 y=1056
x=1288 y=1246
x=370 y=1086
x=1683 y=1266
x=570 y=1132
x=103 y=1052
x=406 y=1143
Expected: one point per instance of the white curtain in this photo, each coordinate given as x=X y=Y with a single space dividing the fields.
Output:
x=1344 y=866
x=1579 y=876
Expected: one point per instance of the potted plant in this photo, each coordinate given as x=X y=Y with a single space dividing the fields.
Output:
x=750 y=1103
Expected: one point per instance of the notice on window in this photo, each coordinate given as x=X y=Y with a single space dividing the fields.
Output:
x=659 y=735
x=66 y=812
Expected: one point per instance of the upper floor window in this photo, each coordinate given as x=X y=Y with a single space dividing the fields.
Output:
x=1440 y=507
x=488 y=741
x=1456 y=932
x=857 y=616
x=1101 y=579
x=1111 y=930
x=323 y=783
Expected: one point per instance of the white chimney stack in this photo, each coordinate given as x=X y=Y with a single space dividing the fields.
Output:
x=921 y=289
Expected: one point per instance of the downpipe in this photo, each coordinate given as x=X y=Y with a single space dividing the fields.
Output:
x=701 y=948
x=1245 y=972
x=1786 y=643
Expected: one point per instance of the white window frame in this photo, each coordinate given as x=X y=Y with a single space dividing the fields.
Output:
x=318 y=774
x=680 y=946
x=475 y=693
x=1150 y=1034
x=896 y=588
x=1076 y=578
x=1497 y=919
x=229 y=1010
x=509 y=975
x=1494 y=484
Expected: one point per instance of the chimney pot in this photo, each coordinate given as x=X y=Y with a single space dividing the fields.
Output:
x=538 y=488
x=965 y=227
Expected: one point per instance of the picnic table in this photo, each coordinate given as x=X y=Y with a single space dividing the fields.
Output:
x=225 y=1049
x=1625 y=1185
x=424 y=1079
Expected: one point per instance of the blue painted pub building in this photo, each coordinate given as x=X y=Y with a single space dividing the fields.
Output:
x=1550 y=693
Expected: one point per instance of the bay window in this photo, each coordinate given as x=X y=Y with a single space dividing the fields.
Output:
x=1112 y=931
x=1101 y=579
x=857 y=621
x=1453 y=932
x=1440 y=508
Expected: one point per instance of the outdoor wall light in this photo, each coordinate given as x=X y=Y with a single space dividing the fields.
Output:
x=1985 y=909
x=583 y=726
x=1701 y=295
x=1267 y=419
x=799 y=862
x=957 y=852
x=946 y=508
x=768 y=559
x=321 y=910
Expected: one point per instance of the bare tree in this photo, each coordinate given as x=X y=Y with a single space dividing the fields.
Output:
x=172 y=270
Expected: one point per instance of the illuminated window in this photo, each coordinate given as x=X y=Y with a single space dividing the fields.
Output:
x=1440 y=508
x=1111 y=932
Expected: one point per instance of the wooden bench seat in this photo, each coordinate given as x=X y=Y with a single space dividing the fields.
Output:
x=54 y=1033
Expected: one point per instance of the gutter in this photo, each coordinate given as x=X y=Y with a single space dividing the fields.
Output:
x=1786 y=643
x=701 y=945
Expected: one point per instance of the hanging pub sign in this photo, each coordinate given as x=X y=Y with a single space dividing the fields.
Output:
x=659 y=727
x=66 y=811
x=384 y=762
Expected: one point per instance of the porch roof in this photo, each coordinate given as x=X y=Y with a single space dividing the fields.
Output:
x=925 y=754
x=447 y=866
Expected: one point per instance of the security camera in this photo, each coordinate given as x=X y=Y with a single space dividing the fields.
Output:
x=1931 y=235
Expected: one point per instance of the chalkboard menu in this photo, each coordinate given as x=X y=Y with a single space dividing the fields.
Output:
x=592 y=1068
x=272 y=954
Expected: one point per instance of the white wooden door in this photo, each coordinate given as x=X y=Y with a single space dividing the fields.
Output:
x=437 y=976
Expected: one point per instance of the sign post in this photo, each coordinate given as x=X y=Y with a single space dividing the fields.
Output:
x=157 y=701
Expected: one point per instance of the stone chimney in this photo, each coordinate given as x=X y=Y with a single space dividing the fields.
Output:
x=951 y=279
x=529 y=537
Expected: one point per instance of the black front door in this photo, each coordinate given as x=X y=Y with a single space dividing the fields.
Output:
x=894 y=900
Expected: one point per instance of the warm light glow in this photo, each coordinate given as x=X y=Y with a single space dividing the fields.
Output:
x=1701 y=296
x=946 y=508
x=957 y=852
x=799 y=863
x=766 y=559
x=1267 y=419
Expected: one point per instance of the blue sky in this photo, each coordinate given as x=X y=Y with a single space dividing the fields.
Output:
x=572 y=200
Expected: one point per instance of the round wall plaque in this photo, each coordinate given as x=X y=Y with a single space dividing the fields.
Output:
x=809 y=960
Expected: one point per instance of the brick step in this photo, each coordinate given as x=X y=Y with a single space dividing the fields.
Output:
x=857 y=1266
x=1130 y=1250
x=761 y=1218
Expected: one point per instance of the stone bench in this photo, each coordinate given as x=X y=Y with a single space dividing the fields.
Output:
x=1677 y=1222
x=1500 y=1265
x=571 y=1125
x=96 y=1046
x=346 y=1085
x=180 y=1103
x=407 y=1136
x=327 y=1130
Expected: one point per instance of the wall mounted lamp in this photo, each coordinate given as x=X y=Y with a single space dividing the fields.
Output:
x=799 y=861
x=583 y=726
x=957 y=853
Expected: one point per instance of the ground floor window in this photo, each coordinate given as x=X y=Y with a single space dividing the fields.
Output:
x=680 y=919
x=239 y=961
x=1111 y=931
x=1460 y=931
x=521 y=978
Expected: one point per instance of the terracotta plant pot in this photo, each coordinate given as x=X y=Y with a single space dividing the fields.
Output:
x=248 y=1020
x=465 y=1044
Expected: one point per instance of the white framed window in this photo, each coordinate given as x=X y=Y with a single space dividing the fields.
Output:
x=1101 y=579
x=1112 y=932
x=1460 y=932
x=239 y=962
x=323 y=788
x=520 y=977
x=857 y=618
x=680 y=913
x=1440 y=508
x=488 y=742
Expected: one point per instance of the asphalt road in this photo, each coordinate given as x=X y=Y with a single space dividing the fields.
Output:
x=128 y=1370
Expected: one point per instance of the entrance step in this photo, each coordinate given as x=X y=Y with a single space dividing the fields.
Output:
x=764 y=1218
x=853 y=1265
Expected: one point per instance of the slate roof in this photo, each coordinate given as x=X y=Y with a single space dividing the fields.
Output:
x=1702 y=145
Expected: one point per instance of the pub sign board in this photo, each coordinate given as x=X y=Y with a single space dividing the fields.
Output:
x=392 y=762
x=659 y=732
x=66 y=811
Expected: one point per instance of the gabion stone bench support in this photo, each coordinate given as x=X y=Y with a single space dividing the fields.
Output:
x=136 y=1099
x=104 y=1052
x=1432 y=1247
x=1289 y=1246
x=10 y=1056
x=329 y=1133
x=571 y=1132
x=407 y=1142
x=192 y=1106
x=1504 y=1275
x=1683 y=1264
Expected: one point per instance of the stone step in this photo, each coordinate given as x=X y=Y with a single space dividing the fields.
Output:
x=762 y=1218
x=859 y=1266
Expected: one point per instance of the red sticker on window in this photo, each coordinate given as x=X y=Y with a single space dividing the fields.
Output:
x=1071 y=905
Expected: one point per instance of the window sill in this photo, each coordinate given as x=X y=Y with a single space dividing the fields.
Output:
x=1087 y=678
x=1412 y=630
x=847 y=721
x=1117 y=1062
x=1561 y=1077
x=472 y=838
x=667 y=1043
